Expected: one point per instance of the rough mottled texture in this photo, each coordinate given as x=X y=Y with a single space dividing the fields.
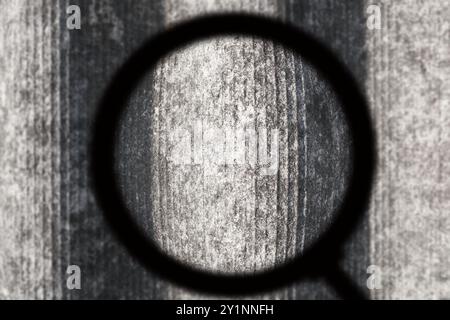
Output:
x=52 y=79
x=409 y=70
x=29 y=152
x=229 y=218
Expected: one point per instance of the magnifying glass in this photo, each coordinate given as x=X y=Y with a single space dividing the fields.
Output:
x=320 y=258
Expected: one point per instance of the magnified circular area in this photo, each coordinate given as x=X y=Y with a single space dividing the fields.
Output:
x=233 y=155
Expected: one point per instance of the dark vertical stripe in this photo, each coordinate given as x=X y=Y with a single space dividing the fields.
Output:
x=109 y=33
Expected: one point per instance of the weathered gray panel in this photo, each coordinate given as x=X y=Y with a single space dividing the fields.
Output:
x=409 y=70
x=52 y=79
x=29 y=153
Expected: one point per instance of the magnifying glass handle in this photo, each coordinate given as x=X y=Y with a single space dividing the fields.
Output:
x=345 y=287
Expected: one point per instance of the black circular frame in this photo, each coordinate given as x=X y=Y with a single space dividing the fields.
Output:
x=322 y=257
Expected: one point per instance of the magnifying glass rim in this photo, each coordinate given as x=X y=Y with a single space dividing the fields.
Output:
x=143 y=60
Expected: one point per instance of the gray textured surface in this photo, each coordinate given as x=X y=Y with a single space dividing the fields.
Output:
x=29 y=153
x=52 y=79
x=409 y=91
